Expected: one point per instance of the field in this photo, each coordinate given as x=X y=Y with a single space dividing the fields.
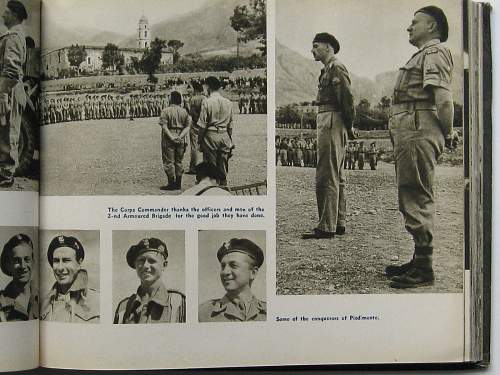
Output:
x=355 y=262
x=123 y=157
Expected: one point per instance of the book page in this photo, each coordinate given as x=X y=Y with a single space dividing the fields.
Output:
x=165 y=200
x=19 y=177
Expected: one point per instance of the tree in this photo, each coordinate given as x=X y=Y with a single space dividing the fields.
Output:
x=175 y=45
x=111 y=57
x=76 y=55
x=151 y=58
x=250 y=23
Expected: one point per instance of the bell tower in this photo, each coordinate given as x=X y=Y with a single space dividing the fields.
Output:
x=143 y=33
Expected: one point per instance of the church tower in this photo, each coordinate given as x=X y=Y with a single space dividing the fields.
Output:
x=144 y=34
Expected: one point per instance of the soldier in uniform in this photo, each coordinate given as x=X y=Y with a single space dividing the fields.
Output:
x=70 y=299
x=194 y=111
x=216 y=128
x=372 y=156
x=361 y=155
x=19 y=299
x=12 y=95
x=153 y=302
x=175 y=123
x=334 y=126
x=240 y=260
x=207 y=176
x=421 y=126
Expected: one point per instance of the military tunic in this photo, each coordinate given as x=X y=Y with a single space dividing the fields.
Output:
x=164 y=306
x=417 y=136
x=335 y=116
x=12 y=59
x=79 y=305
x=227 y=310
x=13 y=308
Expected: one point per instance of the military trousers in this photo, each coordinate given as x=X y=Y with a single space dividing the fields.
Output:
x=9 y=142
x=196 y=155
x=330 y=182
x=172 y=155
x=216 y=148
x=418 y=142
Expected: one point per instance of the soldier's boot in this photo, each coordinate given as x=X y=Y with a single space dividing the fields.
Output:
x=398 y=270
x=419 y=274
x=171 y=184
x=340 y=230
x=178 y=182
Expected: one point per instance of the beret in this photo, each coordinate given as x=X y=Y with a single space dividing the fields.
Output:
x=7 y=250
x=144 y=245
x=18 y=9
x=206 y=169
x=329 y=39
x=440 y=17
x=65 y=241
x=242 y=245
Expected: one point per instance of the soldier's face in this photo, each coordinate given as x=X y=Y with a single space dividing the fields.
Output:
x=21 y=261
x=319 y=51
x=237 y=271
x=420 y=28
x=65 y=265
x=150 y=266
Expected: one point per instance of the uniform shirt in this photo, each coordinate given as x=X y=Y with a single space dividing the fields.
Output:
x=334 y=90
x=174 y=117
x=79 y=305
x=432 y=65
x=12 y=55
x=205 y=187
x=195 y=107
x=163 y=306
x=216 y=112
x=15 y=308
x=227 y=310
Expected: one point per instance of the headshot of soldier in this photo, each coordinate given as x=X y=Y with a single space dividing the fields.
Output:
x=152 y=302
x=240 y=260
x=70 y=299
x=19 y=300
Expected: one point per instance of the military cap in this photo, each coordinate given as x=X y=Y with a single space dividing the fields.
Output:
x=65 y=241
x=328 y=39
x=440 y=17
x=206 y=169
x=145 y=245
x=7 y=250
x=18 y=9
x=242 y=245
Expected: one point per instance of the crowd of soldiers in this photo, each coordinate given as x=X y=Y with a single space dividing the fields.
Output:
x=376 y=118
x=357 y=153
x=252 y=103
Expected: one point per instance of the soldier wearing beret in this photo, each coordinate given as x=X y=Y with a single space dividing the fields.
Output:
x=207 y=176
x=240 y=260
x=153 y=302
x=334 y=126
x=70 y=299
x=19 y=299
x=421 y=126
x=12 y=94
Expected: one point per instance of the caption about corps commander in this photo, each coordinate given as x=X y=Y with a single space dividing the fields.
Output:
x=183 y=212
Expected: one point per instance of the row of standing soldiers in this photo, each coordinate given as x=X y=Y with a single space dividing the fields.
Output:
x=297 y=151
x=252 y=103
x=357 y=153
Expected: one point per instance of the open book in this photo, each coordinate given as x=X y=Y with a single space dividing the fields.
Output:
x=140 y=184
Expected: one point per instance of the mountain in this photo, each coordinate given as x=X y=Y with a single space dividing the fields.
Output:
x=80 y=35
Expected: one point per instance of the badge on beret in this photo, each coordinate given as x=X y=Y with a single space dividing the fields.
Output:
x=60 y=239
x=145 y=242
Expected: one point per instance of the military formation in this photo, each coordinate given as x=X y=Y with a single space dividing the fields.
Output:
x=356 y=154
x=253 y=103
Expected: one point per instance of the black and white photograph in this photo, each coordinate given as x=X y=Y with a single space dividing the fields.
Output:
x=136 y=95
x=369 y=147
x=70 y=276
x=232 y=276
x=19 y=296
x=149 y=277
x=19 y=95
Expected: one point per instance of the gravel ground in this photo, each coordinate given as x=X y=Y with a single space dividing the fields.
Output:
x=355 y=262
x=123 y=157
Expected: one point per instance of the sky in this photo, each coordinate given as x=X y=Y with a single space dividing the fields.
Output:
x=372 y=33
x=119 y=16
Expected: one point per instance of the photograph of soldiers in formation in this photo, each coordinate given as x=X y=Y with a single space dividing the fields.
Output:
x=19 y=295
x=19 y=100
x=136 y=104
x=340 y=216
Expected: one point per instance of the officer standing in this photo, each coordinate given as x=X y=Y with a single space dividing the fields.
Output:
x=216 y=128
x=194 y=111
x=153 y=302
x=240 y=260
x=175 y=123
x=12 y=94
x=70 y=299
x=19 y=299
x=334 y=125
x=424 y=88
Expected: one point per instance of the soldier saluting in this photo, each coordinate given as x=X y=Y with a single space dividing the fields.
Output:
x=334 y=126
x=421 y=126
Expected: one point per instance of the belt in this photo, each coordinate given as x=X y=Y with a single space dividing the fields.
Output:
x=412 y=107
x=216 y=129
x=328 y=107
